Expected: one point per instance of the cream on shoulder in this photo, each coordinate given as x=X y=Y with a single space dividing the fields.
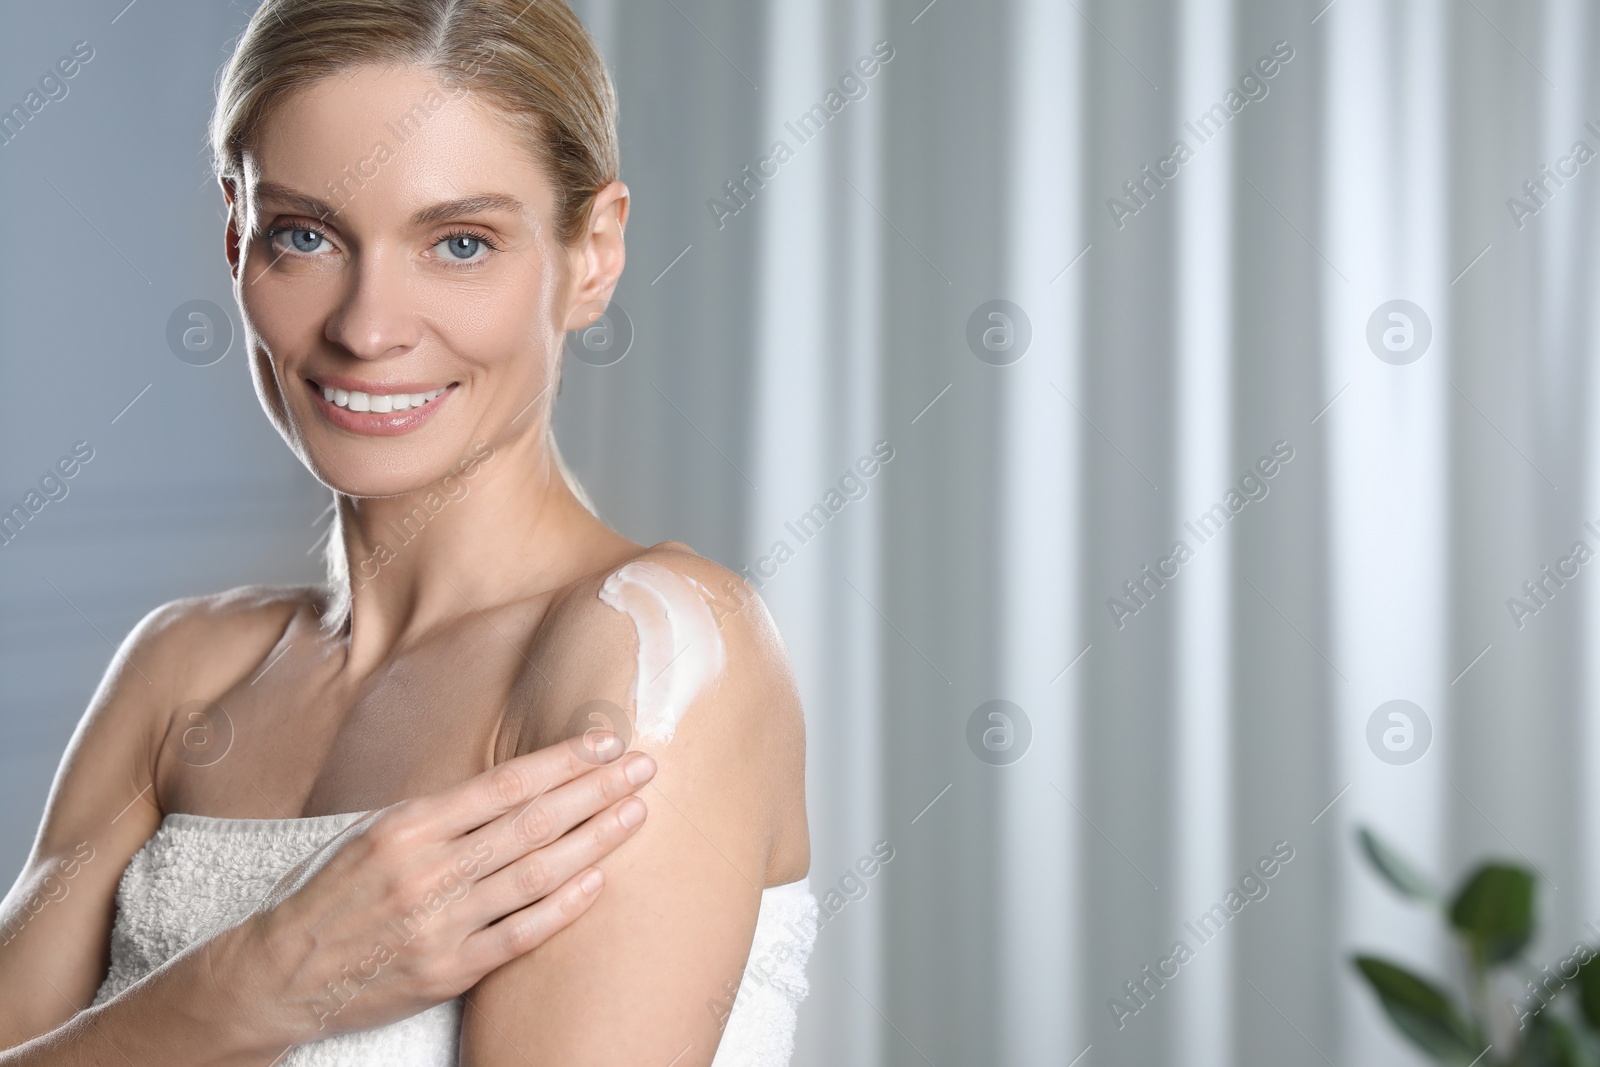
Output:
x=680 y=645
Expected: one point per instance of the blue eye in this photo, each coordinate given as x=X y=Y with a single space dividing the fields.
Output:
x=463 y=247
x=305 y=242
x=459 y=248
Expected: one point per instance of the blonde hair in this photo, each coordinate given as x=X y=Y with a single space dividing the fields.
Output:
x=533 y=58
x=570 y=478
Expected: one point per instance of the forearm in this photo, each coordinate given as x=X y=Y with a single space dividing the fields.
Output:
x=183 y=1012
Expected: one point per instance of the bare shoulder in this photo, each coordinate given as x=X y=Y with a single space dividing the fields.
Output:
x=188 y=648
x=184 y=645
x=180 y=646
x=102 y=802
x=212 y=638
x=683 y=655
x=591 y=639
x=690 y=660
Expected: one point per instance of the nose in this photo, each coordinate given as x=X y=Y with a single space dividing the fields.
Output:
x=376 y=317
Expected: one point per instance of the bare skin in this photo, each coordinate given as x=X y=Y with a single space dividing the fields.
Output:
x=255 y=989
x=468 y=648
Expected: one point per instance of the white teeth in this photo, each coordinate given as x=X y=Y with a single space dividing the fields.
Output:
x=377 y=402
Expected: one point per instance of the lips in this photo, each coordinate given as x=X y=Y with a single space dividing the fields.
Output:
x=410 y=404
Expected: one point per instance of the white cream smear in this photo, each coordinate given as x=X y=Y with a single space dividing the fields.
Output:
x=680 y=647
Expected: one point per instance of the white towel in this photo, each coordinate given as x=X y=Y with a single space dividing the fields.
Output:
x=198 y=874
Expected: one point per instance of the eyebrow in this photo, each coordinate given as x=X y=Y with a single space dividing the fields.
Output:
x=440 y=212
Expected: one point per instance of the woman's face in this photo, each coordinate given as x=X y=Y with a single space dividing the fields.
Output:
x=394 y=240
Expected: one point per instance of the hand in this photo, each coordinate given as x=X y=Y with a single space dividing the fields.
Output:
x=418 y=901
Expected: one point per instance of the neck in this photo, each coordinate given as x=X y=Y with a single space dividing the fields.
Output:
x=503 y=526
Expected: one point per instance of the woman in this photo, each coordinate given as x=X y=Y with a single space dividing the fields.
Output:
x=361 y=822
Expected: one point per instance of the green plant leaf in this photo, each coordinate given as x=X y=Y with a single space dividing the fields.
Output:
x=1494 y=911
x=1422 y=1011
x=1553 y=1042
x=1589 y=991
x=1396 y=870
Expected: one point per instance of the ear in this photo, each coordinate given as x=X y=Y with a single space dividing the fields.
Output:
x=597 y=259
x=230 y=246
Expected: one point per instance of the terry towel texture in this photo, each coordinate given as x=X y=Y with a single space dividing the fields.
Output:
x=198 y=874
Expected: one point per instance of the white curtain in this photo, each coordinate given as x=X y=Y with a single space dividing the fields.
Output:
x=1178 y=337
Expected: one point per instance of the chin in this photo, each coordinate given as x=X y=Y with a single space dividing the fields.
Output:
x=358 y=469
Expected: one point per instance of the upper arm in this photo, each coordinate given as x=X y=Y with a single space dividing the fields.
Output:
x=640 y=976
x=55 y=922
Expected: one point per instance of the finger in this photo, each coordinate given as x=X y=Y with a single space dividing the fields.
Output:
x=532 y=926
x=510 y=785
x=537 y=874
x=543 y=820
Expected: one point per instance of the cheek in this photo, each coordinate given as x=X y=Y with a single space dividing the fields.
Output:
x=504 y=323
x=491 y=324
x=283 y=320
x=285 y=316
x=484 y=319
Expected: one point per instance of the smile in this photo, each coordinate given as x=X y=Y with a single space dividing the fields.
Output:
x=355 y=400
x=384 y=414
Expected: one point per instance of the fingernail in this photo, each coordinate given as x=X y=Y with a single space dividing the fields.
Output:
x=631 y=814
x=640 y=769
x=590 y=882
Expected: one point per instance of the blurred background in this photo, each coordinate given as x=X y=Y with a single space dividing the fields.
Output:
x=1337 y=347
